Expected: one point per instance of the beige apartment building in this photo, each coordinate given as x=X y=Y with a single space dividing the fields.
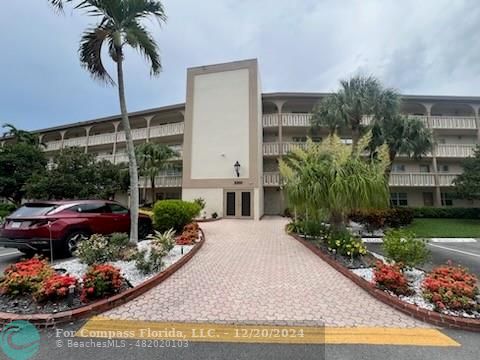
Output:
x=230 y=136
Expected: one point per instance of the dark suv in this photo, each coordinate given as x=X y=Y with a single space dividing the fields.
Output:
x=32 y=227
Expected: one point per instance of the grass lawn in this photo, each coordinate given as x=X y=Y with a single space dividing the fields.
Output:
x=446 y=228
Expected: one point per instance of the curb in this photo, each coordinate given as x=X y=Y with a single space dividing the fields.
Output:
x=428 y=316
x=103 y=304
x=208 y=220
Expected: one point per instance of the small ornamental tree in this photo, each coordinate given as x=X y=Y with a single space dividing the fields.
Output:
x=467 y=185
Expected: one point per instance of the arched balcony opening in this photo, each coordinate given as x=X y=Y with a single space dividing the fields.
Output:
x=166 y=118
x=52 y=140
x=411 y=108
x=452 y=109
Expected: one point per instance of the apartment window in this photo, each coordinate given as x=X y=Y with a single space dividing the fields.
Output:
x=316 y=139
x=398 y=168
x=424 y=168
x=347 y=141
x=447 y=199
x=441 y=141
x=398 y=199
x=443 y=168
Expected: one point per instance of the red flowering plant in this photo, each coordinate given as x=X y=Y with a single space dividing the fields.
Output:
x=390 y=277
x=189 y=235
x=451 y=287
x=25 y=277
x=100 y=281
x=55 y=287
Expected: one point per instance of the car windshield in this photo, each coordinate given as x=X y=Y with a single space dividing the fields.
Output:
x=28 y=210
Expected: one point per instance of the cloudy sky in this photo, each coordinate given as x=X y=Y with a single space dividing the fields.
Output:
x=418 y=47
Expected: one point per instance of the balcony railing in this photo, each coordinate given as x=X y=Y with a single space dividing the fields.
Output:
x=412 y=179
x=446 y=179
x=455 y=150
x=109 y=138
x=443 y=150
x=271 y=179
x=437 y=122
x=162 y=181
x=396 y=179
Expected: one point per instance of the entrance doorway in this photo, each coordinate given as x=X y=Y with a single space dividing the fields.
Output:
x=238 y=204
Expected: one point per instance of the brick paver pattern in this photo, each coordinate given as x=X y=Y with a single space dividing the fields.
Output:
x=253 y=272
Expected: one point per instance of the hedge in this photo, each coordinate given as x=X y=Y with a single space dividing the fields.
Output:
x=174 y=214
x=446 y=213
x=374 y=219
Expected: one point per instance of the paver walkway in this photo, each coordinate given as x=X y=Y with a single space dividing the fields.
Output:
x=251 y=271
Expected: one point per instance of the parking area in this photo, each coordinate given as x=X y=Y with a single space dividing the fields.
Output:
x=462 y=253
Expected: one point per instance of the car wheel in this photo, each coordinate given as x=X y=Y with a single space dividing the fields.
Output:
x=144 y=229
x=71 y=241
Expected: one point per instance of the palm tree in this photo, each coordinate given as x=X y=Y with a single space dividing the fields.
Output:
x=403 y=135
x=357 y=97
x=21 y=136
x=119 y=26
x=334 y=178
x=327 y=114
x=152 y=159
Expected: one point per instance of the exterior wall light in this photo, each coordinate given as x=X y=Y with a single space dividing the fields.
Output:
x=236 y=166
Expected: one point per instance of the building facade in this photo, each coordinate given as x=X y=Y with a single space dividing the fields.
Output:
x=230 y=136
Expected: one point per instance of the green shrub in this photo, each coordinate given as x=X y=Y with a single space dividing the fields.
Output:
x=404 y=248
x=174 y=214
x=309 y=228
x=150 y=261
x=6 y=209
x=345 y=243
x=447 y=213
x=94 y=250
x=400 y=216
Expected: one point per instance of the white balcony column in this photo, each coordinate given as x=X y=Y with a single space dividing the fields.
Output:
x=116 y=124
x=40 y=139
x=279 y=105
x=476 y=109
x=87 y=132
x=149 y=121
x=62 y=134
x=438 y=196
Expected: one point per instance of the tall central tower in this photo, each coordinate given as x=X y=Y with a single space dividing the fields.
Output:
x=222 y=158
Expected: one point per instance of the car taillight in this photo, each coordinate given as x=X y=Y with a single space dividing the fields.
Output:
x=38 y=223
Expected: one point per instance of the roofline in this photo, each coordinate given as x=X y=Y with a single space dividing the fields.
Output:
x=112 y=117
x=404 y=96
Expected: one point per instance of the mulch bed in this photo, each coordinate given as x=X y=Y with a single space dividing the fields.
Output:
x=25 y=305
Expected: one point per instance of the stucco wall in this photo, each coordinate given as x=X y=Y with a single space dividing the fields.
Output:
x=220 y=134
x=213 y=199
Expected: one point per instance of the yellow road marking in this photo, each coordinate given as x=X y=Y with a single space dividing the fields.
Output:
x=100 y=327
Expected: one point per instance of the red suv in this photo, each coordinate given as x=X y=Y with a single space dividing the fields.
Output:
x=32 y=226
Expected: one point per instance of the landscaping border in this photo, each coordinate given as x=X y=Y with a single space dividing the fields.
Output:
x=431 y=317
x=104 y=304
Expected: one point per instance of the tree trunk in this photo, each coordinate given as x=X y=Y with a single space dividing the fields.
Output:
x=132 y=161
x=337 y=221
x=392 y=155
x=355 y=138
x=152 y=180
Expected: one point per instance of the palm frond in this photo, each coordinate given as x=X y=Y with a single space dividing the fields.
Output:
x=91 y=52
x=138 y=37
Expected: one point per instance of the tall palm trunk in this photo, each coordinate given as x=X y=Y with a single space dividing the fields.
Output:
x=152 y=180
x=132 y=161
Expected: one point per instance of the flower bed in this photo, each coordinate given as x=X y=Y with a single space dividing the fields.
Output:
x=433 y=291
x=104 y=269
